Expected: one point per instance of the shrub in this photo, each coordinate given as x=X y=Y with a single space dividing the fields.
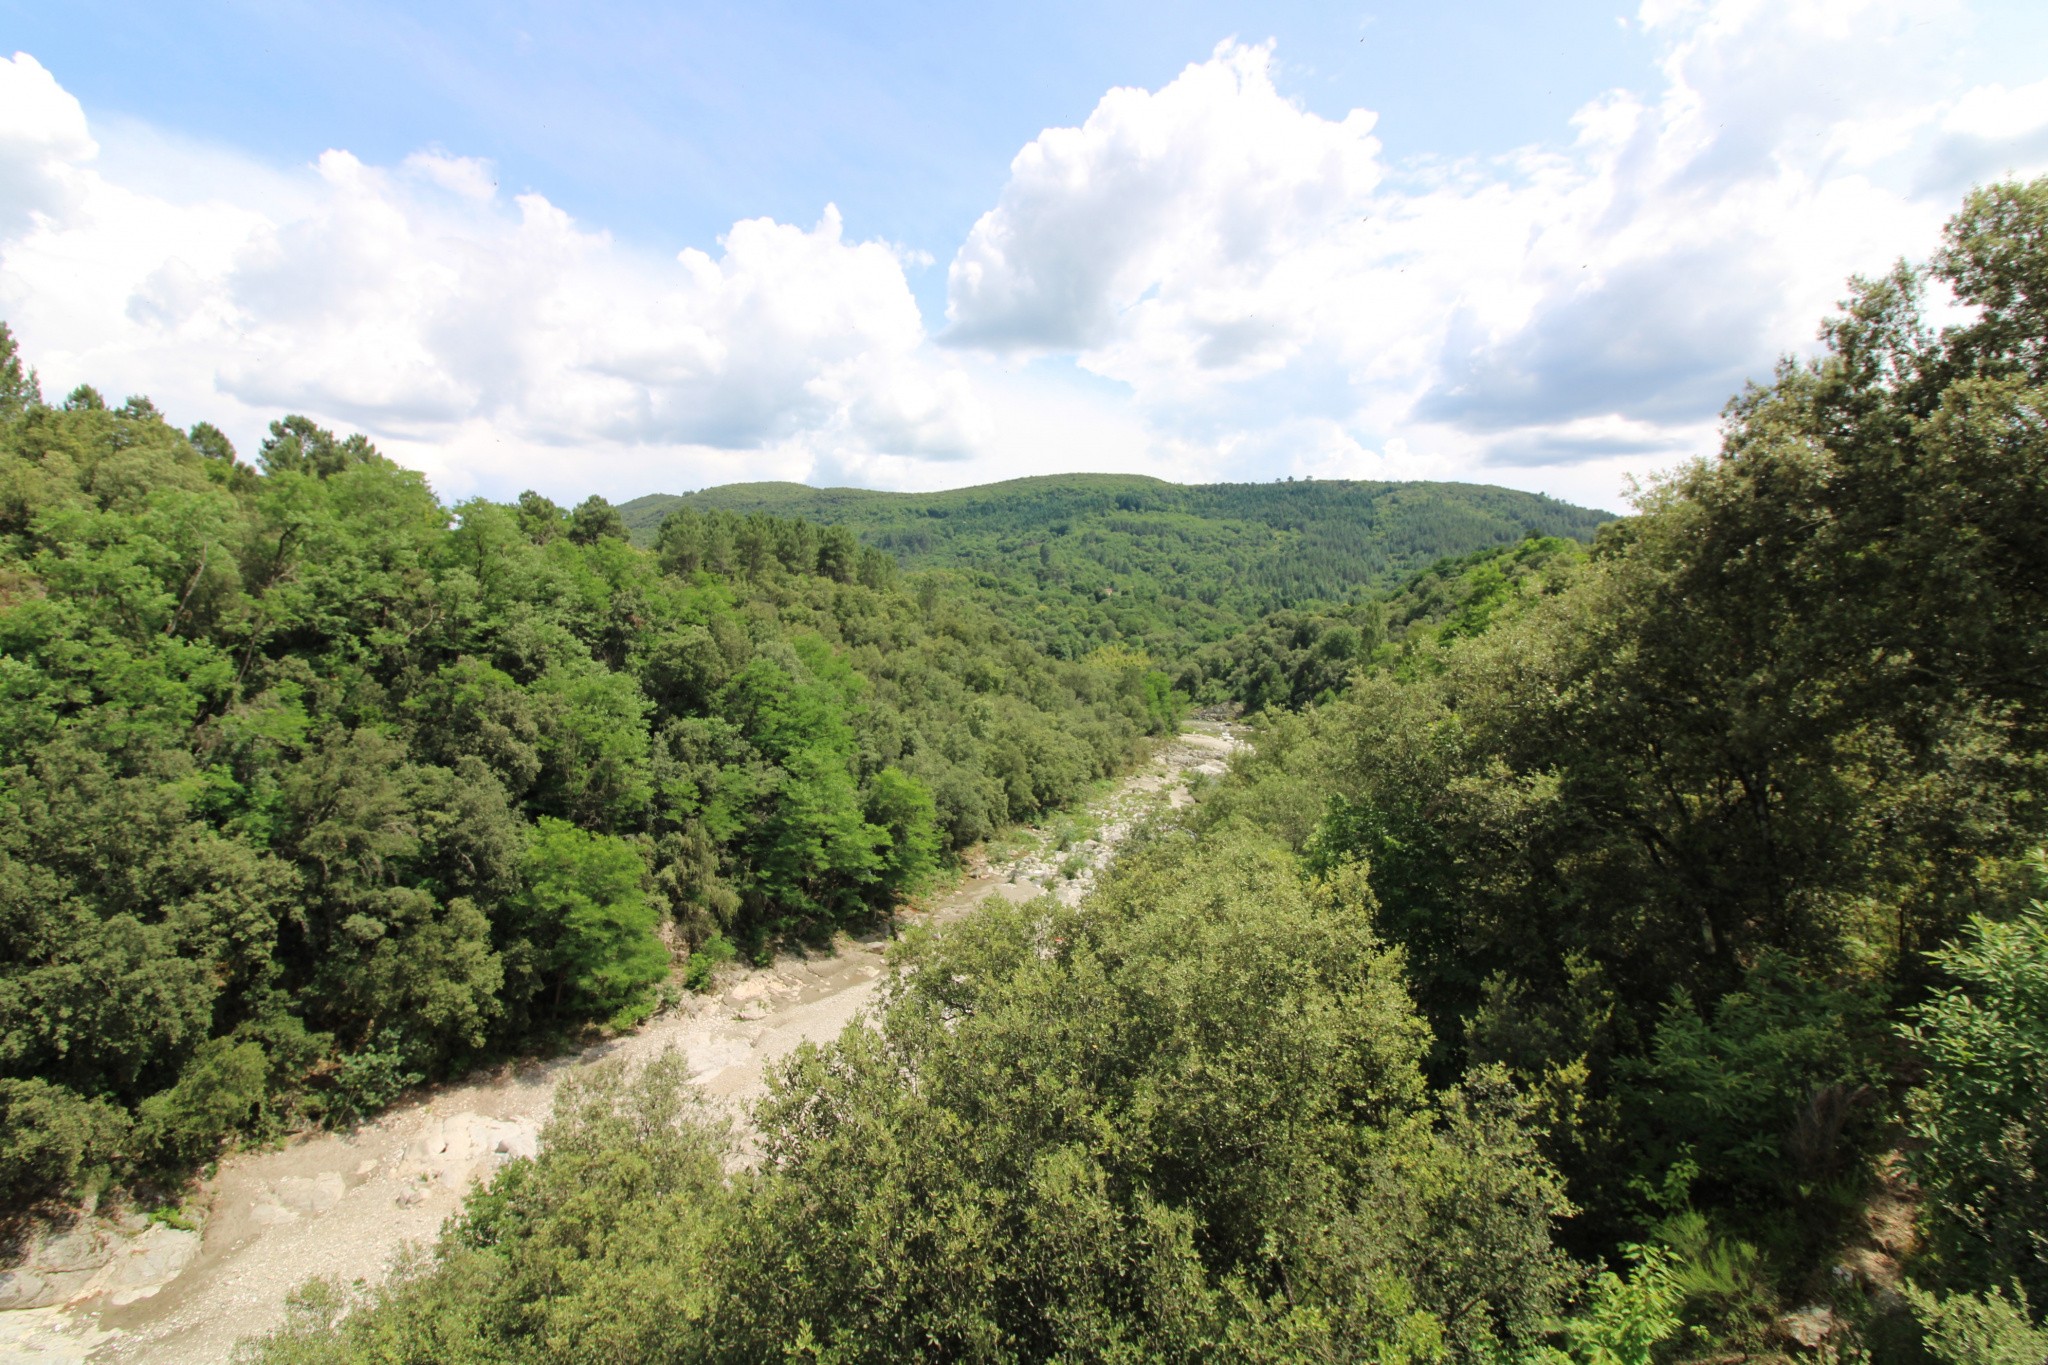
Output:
x=367 y=1080
x=1967 y=1330
x=1981 y=1112
x=704 y=963
x=220 y=1091
x=51 y=1138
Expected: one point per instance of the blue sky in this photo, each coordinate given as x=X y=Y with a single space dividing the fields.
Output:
x=668 y=122
x=1511 y=243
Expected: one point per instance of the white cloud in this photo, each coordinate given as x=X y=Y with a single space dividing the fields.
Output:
x=1204 y=281
x=1173 y=216
x=1249 y=268
x=468 y=176
x=42 y=132
x=494 y=342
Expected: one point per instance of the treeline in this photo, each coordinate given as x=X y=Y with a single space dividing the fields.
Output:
x=1642 y=966
x=311 y=787
x=1079 y=562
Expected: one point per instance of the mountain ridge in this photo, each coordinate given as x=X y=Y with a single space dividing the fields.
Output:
x=1079 y=561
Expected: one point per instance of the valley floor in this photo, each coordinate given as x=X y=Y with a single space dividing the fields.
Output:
x=344 y=1205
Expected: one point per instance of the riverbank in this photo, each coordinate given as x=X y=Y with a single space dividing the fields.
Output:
x=343 y=1205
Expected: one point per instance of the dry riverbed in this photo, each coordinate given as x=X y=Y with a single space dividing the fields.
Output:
x=343 y=1204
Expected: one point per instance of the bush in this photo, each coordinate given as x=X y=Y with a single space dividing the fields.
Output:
x=1774 y=1097
x=704 y=963
x=1981 y=1112
x=1624 y=1319
x=1967 y=1330
x=220 y=1091
x=51 y=1138
x=367 y=1080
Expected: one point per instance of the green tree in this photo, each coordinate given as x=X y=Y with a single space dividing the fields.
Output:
x=899 y=805
x=1966 y=1329
x=1189 y=1114
x=595 y=519
x=586 y=925
x=219 y=1093
x=51 y=1139
x=296 y=445
x=19 y=388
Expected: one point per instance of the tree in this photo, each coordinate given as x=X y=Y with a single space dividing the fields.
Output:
x=593 y=520
x=587 y=923
x=210 y=441
x=900 y=805
x=1188 y=1114
x=274 y=739
x=296 y=445
x=50 y=1138
x=19 y=388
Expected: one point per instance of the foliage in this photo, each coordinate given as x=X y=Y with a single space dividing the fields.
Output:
x=1625 y=1319
x=50 y=1137
x=1627 y=899
x=594 y=1252
x=1980 y=1111
x=1070 y=1134
x=705 y=961
x=1966 y=1329
x=219 y=1092
x=296 y=761
x=584 y=923
x=366 y=1080
x=1672 y=829
x=1772 y=1098
x=1079 y=561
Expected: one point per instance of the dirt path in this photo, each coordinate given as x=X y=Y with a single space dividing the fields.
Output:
x=344 y=1204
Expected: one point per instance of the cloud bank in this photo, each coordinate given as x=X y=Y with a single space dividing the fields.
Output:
x=1205 y=280
x=417 y=304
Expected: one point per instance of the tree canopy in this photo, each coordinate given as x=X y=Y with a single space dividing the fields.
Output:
x=305 y=772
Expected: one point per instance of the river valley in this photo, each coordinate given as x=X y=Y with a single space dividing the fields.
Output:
x=343 y=1205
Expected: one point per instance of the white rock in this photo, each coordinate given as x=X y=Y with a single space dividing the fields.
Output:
x=58 y=1268
x=150 y=1262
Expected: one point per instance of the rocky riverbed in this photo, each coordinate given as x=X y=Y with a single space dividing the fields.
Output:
x=120 y=1289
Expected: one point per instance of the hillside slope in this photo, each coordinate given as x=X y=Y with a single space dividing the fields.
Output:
x=1083 y=560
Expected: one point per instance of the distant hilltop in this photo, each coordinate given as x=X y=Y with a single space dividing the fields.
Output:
x=1237 y=549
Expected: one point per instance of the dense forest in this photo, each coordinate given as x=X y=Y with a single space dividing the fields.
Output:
x=1605 y=954
x=311 y=787
x=1636 y=958
x=1080 y=561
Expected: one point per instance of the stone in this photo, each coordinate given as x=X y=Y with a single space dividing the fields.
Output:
x=59 y=1267
x=1808 y=1326
x=151 y=1261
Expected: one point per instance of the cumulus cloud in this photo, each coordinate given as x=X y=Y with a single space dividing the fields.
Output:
x=417 y=303
x=42 y=131
x=1245 y=265
x=1207 y=280
x=1173 y=213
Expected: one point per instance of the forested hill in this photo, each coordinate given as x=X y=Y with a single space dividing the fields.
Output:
x=311 y=786
x=1083 y=560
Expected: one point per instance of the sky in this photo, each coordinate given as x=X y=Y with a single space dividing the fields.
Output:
x=628 y=248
